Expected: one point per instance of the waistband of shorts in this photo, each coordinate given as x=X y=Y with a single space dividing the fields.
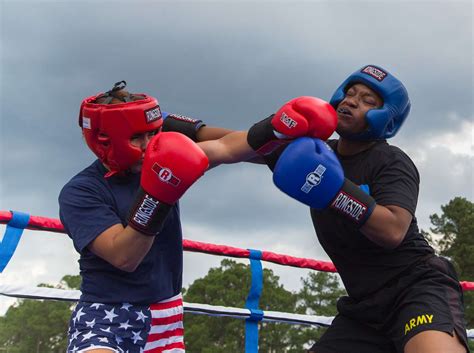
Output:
x=178 y=296
x=393 y=281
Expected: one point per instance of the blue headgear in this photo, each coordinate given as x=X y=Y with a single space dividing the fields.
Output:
x=383 y=122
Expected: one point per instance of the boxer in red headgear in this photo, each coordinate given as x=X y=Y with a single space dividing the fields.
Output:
x=109 y=128
x=122 y=212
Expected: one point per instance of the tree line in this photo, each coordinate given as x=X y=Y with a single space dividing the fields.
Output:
x=41 y=326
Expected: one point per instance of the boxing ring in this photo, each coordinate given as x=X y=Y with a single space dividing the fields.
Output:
x=17 y=222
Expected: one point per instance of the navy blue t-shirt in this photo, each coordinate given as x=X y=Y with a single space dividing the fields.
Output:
x=90 y=204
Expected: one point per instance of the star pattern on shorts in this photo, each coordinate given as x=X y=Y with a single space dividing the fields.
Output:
x=126 y=306
x=141 y=316
x=106 y=330
x=75 y=334
x=110 y=315
x=88 y=335
x=99 y=324
x=136 y=337
x=78 y=315
x=91 y=323
x=125 y=325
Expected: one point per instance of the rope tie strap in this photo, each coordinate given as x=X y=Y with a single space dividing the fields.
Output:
x=253 y=299
x=12 y=236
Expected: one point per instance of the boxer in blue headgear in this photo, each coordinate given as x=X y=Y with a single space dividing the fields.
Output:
x=363 y=193
x=383 y=122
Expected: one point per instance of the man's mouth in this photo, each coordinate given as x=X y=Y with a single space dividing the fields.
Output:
x=344 y=112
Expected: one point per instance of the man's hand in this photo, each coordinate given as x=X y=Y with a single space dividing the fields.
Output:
x=171 y=165
x=302 y=116
x=309 y=171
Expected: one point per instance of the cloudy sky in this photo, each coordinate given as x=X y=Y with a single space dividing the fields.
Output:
x=230 y=64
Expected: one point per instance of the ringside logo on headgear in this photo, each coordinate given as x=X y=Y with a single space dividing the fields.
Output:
x=108 y=128
x=385 y=121
x=375 y=72
x=152 y=114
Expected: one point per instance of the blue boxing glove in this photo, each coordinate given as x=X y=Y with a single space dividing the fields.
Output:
x=309 y=171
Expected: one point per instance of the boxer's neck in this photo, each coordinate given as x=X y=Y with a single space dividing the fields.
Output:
x=347 y=147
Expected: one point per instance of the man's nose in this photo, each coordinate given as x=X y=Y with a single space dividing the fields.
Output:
x=351 y=101
x=144 y=142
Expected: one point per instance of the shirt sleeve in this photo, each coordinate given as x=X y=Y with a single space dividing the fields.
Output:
x=397 y=182
x=85 y=212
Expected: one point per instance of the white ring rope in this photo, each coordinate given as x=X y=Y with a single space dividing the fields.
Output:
x=194 y=308
x=205 y=309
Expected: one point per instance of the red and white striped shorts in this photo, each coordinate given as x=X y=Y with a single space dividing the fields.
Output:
x=166 y=333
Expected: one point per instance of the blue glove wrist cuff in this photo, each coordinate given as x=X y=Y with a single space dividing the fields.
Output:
x=353 y=203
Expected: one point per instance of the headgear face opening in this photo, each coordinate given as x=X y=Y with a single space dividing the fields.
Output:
x=108 y=128
x=382 y=122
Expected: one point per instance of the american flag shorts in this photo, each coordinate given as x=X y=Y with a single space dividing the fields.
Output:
x=128 y=328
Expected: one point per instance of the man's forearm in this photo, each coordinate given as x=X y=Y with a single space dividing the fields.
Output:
x=232 y=148
x=207 y=133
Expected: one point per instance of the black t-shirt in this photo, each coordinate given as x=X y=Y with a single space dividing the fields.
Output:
x=393 y=179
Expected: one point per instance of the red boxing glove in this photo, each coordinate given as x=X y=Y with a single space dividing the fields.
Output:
x=172 y=163
x=302 y=116
x=305 y=116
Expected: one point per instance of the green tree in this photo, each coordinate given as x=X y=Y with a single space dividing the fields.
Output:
x=320 y=293
x=318 y=296
x=70 y=282
x=38 y=325
x=228 y=285
x=455 y=226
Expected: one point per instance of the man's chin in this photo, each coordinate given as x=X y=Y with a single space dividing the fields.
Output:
x=343 y=132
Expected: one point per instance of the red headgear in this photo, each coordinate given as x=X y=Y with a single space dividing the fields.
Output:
x=108 y=128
